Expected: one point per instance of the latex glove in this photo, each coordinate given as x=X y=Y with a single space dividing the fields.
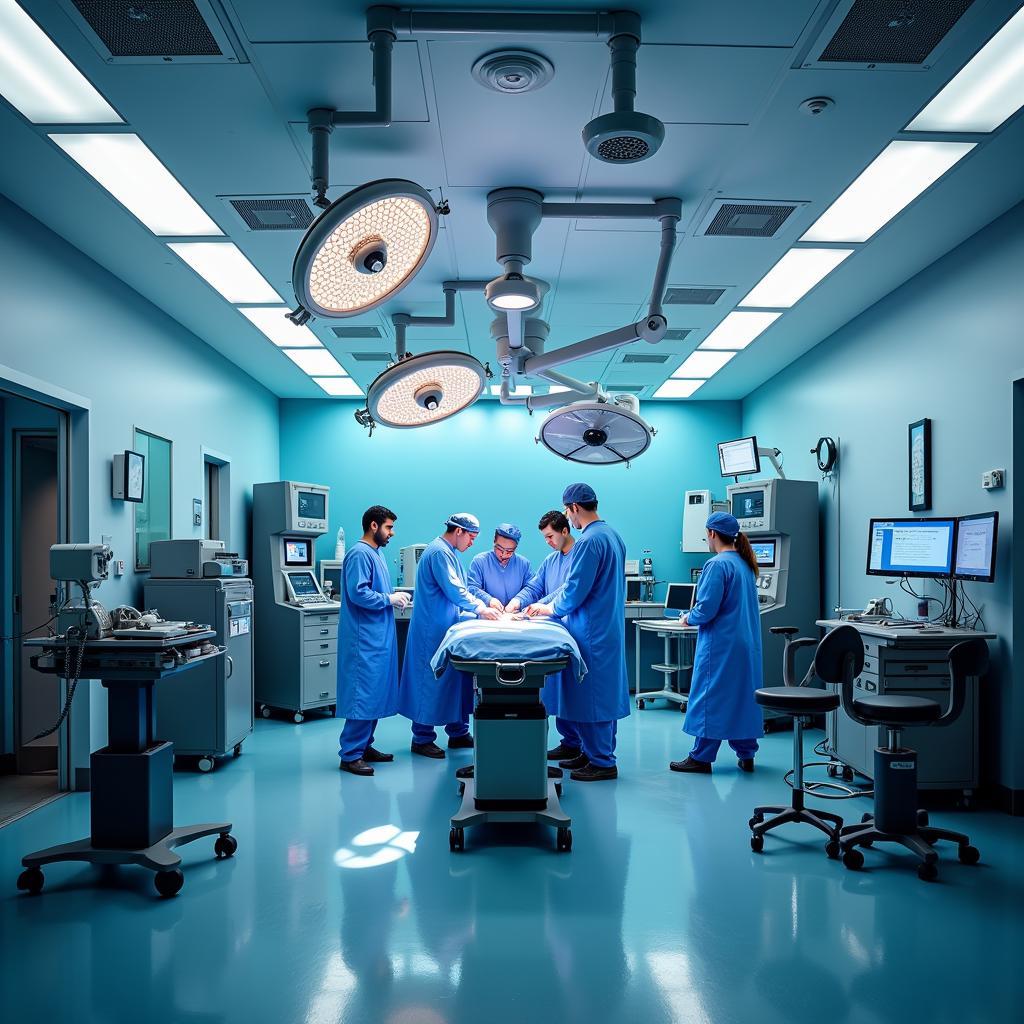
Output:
x=513 y=606
x=495 y=604
x=489 y=613
x=536 y=611
x=399 y=599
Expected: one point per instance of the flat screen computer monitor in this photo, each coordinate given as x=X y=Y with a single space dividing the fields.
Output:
x=303 y=584
x=765 y=551
x=312 y=505
x=911 y=547
x=330 y=569
x=976 y=547
x=298 y=551
x=633 y=589
x=738 y=458
x=680 y=597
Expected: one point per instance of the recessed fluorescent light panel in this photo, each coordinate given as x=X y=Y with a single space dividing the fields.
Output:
x=678 y=388
x=281 y=331
x=37 y=79
x=893 y=180
x=126 y=168
x=703 y=364
x=224 y=267
x=340 y=387
x=738 y=330
x=986 y=92
x=316 y=362
x=794 y=276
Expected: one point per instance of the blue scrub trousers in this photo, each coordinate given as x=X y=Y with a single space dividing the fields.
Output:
x=356 y=736
x=597 y=740
x=707 y=750
x=428 y=734
x=569 y=733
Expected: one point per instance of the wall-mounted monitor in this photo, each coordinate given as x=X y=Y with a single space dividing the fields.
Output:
x=976 y=547
x=911 y=547
x=739 y=457
x=311 y=504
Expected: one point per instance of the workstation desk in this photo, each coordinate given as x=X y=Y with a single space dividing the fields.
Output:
x=908 y=660
x=678 y=643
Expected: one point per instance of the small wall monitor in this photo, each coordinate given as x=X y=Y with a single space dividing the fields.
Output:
x=748 y=504
x=911 y=547
x=312 y=505
x=765 y=551
x=330 y=569
x=976 y=547
x=298 y=551
x=738 y=458
x=680 y=597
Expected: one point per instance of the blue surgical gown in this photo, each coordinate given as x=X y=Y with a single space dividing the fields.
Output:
x=727 y=662
x=441 y=599
x=541 y=587
x=367 y=644
x=489 y=578
x=592 y=604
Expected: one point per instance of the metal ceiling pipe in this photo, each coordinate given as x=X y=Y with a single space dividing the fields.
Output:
x=514 y=214
x=402 y=321
x=667 y=207
x=650 y=329
x=668 y=245
x=588 y=390
x=624 y=48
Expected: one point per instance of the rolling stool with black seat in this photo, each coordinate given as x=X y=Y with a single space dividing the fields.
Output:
x=838 y=658
x=896 y=818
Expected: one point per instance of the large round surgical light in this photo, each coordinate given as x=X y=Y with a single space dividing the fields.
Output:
x=425 y=389
x=512 y=292
x=596 y=433
x=364 y=248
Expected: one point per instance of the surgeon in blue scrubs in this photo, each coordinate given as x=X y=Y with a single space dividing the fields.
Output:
x=367 y=644
x=727 y=663
x=592 y=603
x=541 y=587
x=442 y=598
x=496 y=576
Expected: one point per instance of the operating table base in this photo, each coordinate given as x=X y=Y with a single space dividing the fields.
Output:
x=551 y=814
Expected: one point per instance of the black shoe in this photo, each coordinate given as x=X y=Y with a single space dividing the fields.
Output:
x=465 y=772
x=357 y=767
x=746 y=764
x=553 y=772
x=563 y=753
x=575 y=763
x=373 y=756
x=594 y=773
x=692 y=766
x=460 y=742
x=428 y=750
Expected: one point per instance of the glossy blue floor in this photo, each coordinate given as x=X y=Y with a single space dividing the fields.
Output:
x=660 y=913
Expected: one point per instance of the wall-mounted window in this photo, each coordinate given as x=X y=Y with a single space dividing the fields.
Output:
x=153 y=513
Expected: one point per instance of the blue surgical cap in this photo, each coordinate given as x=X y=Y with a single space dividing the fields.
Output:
x=465 y=520
x=578 y=494
x=723 y=523
x=510 y=531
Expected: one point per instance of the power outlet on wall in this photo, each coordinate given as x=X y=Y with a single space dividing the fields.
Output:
x=993 y=478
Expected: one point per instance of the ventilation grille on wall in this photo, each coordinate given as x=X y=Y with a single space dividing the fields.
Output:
x=133 y=31
x=642 y=357
x=273 y=214
x=677 y=333
x=868 y=33
x=356 y=332
x=693 y=296
x=370 y=357
x=747 y=220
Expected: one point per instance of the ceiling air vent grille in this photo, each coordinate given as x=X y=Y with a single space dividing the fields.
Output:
x=640 y=357
x=749 y=220
x=356 y=332
x=677 y=333
x=875 y=32
x=633 y=389
x=693 y=296
x=274 y=214
x=370 y=357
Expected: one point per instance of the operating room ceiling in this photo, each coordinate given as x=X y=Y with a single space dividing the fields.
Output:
x=728 y=80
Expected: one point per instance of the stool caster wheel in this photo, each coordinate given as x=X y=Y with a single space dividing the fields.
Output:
x=865 y=818
x=832 y=770
x=456 y=839
x=264 y=711
x=206 y=764
x=968 y=854
x=31 y=881
x=757 y=843
x=298 y=718
x=225 y=846
x=832 y=849
x=563 y=841
x=922 y=818
x=237 y=750
x=853 y=859
x=640 y=705
x=757 y=819
x=169 y=883
x=682 y=708
x=927 y=871
x=847 y=773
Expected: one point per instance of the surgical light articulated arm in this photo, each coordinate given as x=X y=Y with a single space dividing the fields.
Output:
x=403 y=321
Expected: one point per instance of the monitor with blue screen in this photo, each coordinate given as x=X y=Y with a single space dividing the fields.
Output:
x=911 y=547
x=976 y=547
x=765 y=552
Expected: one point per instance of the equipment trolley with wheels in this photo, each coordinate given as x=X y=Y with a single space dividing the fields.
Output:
x=132 y=820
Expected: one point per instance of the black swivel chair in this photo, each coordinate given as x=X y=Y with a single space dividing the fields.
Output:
x=839 y=658
x=896 y=818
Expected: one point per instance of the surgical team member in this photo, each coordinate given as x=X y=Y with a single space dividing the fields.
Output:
x=367 y=644
x=496 y=576
x=592 y=602
x=541 y=587
x=442 y=599
x=727 y=662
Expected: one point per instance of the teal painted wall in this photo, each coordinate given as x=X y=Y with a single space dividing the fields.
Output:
x=947 y=345
x=485 y=461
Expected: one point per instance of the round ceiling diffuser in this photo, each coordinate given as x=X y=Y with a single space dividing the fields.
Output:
x=513 y=71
